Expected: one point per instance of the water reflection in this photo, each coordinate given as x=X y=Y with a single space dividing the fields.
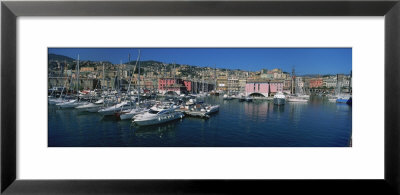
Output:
x=295 y=110
x=161 y=130
x=259 y=123
x=256 y=110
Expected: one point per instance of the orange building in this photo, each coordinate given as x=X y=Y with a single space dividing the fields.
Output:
x=316 y=82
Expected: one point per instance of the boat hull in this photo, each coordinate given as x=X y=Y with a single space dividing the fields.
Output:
x=108 y=112
x=297 y=100
x=159 y=120
x=70 y=104
x=111 y=111
x=130 y=115
x=249 y=100
x=279 y=101
x=214 y=109
x=197 y=113
x=89 y=108
x=342 y=100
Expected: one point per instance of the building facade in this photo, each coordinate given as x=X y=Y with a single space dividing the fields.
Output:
x=257 y=88
x=316 y=82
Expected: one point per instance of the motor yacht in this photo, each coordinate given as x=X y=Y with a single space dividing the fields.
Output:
x=157 y=116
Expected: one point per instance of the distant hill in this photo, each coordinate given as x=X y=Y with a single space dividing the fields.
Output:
x=55 y=60
x=60 y=58
x=146 y=63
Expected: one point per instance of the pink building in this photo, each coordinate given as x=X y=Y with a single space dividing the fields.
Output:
x=164 y=83
x=254 y=88
x=171 y=85
x=276 y=86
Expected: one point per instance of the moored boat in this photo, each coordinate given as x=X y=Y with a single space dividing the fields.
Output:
x=227 y=97
x=129 y=114
x=115 y=108
x=296 y=99
x=211 y=109
x=343 y=99
x=71 y=104
x=249 y=99
x=90 y=107
x=154 y=117
x=279 y=98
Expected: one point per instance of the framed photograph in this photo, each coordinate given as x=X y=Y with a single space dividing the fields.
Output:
x=199 y=97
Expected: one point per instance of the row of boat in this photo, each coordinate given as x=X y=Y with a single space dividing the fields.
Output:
x=147 y=112
x=280 y=99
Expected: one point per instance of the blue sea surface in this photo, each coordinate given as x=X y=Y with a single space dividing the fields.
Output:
x=318 y=123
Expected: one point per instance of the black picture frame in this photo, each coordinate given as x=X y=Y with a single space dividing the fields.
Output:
x=10 y=10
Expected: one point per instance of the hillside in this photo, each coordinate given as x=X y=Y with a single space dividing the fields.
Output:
x=60 y=58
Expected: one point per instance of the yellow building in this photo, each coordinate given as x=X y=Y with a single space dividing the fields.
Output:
x=87 y=69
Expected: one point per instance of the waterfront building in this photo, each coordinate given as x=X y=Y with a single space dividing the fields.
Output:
x=257 y=89
x=299 y=81
x=276 y=86
x=287 y=84
x=171 y=85
x=233 y=84
x=222 y=83
x=315 y=82
x=330 y=81
x=242 y=85
x=188 y=85
x=344 y=82
x=84 y=83
x=149 y=84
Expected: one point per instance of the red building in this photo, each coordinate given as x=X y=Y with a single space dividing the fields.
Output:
x=316 y=82
x=188 y=85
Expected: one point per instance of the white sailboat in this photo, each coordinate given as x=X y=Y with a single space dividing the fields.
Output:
x=75 y=102
x=115 y=108
x=89 y=107
x=299 y=96
x=129 y=113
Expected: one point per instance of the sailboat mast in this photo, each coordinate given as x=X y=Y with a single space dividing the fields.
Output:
x=139 y=79
x=293 y=81
x=174 y=71
x=215 y=77
x=62 y=74
x=202 y=81
x=129 y=63
x=227 y=80
x=102 y=86
x=77 y=77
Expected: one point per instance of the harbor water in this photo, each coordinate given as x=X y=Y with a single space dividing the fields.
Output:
x=317 y=123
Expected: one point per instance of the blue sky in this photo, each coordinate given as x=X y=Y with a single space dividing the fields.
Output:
x=304 y=60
